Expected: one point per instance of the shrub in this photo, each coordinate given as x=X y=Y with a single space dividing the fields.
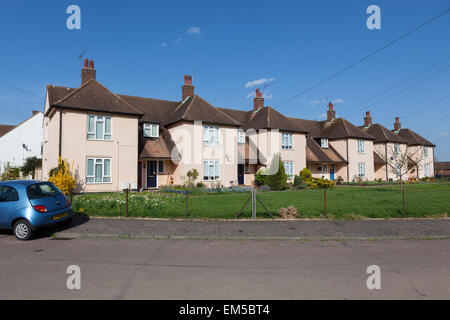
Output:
x=191 y=175
x=30 y=165
x=278 y=180
x=260 y=178
x=63 y=178
x=320 y=183
x=200 y=185
x=298 y=182
x=306 y=174
x=289 y=213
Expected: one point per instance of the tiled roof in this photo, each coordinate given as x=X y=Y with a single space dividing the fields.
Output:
x=315 y=153
x=4 y=129
x=414 y=139
x=341 y=128
x=383 y=134
x=377 y=159
x=269 y=118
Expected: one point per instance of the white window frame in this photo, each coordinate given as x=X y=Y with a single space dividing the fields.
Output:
x=286 y=141
x=211 y=136
x=149 y=126
x=361 y=146
x=216 y=167
x=102 y=119
x=361 y=169
x=241 y=136
x=425 y=151
x=324 y=143
x=102 y=162
x=289 y=168
x=397 y=149
x=426 y=169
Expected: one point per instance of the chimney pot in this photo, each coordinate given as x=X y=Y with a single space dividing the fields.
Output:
x=258 y=101
x=367 y=119
x=187 y=90
x=331 y=114
x=397 y=124
x=86 y=63
x=91 y=64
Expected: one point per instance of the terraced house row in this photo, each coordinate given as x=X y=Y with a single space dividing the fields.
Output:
x=115 y=141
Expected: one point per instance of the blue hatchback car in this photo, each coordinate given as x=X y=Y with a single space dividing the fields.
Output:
x=26 y=205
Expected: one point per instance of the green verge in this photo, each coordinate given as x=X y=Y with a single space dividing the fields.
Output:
x=422 y=200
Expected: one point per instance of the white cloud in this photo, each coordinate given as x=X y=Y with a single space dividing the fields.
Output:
x=266 y=95
x=443 y=134
x=194 y=31
x=177 y=41
x=338 y=101
x=164 y=44
x=259 y=82
x=321 y=116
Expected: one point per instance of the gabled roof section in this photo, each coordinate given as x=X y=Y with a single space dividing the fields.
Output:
x=315 y=153
x=93 y=96
x=377 y=159
x=4 y=129
x=198 y=109
x=269 y=118
x=414 y=139
x=154 y=110
x=383 y=134
x=341 y=128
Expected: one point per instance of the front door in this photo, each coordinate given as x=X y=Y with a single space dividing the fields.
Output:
x=331 y=171
x=151 y=174
x=241 y=168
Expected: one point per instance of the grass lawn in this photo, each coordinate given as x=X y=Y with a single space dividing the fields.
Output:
x=422 y=200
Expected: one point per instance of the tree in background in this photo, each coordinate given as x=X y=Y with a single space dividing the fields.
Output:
x=29 y=166
x=63 y=178
x=10 y=173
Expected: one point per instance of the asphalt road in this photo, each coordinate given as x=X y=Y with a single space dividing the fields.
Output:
x=116 y=268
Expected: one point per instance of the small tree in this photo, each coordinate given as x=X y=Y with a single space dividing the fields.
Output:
x=10 y=173
x=63 y=178
x=192 y=175
x=30 y=165
x=278 y=179
x=397 y=163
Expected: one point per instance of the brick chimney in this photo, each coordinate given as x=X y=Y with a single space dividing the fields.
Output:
x=258 y=101
x=88 y=71
x=397 y=124
x=367 y=120
x=331 y=114
x=187 y=89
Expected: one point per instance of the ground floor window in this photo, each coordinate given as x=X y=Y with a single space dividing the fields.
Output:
x=161 y=166
x=247 y=168
x=361 y=169
x=98 y=170
x=211 y=170
x=427 y=170
x=289 y=168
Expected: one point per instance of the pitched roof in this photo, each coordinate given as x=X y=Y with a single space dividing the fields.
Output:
x=315 y=153
x=413 y=138
x=198 y=109
x=269 y=118
x=92 y=96
x=4 y=129
x=341 y=128
x=377 y=159
x=154 y=110
x=383 y=134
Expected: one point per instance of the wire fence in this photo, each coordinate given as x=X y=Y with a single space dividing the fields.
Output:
x=343 y=202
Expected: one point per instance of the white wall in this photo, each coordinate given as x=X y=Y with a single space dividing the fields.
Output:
x=28 y=133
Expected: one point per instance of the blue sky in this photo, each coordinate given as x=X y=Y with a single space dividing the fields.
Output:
x=144 y=48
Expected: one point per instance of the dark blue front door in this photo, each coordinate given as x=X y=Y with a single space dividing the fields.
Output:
x=241 y=168
x=331 y=171
x=151 y=174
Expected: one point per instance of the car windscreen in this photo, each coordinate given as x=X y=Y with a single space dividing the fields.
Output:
x=42 y=190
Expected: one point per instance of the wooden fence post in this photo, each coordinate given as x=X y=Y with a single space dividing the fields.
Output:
x=325 y=202
x=126 y=202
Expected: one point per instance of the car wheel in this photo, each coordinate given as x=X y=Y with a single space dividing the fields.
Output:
x=23 y=230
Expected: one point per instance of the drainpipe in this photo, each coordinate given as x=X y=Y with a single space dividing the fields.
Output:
x=348 y=162
x=60 y=132
x=386 y=165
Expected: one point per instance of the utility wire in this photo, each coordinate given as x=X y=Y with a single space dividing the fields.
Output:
x=19 y=89
x=427 y=107
x=334 y=75
x=395 y=85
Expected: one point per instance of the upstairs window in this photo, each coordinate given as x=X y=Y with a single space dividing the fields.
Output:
x=151 y=130
x=98 y=128
x=396 y=149
x=324 y=143
x=241 y=136
x=286 y=141
x=360 y=146
x=425 y=151
x=210 y=136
